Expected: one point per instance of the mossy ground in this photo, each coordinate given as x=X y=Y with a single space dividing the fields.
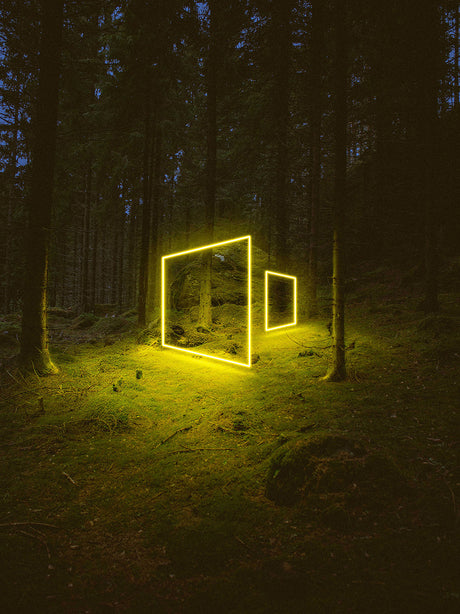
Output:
x=137 y=479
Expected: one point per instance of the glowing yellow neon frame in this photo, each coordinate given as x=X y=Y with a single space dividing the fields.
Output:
x=163 y=299
x=267 y=273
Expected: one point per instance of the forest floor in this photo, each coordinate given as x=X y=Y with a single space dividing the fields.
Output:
x=147 y=480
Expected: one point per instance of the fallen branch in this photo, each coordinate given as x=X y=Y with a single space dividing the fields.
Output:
x=182 y=430
x=28 y=524
x=184 y=450
x=71 y=480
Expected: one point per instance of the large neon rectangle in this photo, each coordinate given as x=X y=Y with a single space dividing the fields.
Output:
x=249 y=287
x=294 y=306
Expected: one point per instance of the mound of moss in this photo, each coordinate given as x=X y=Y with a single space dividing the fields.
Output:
x=328 y=464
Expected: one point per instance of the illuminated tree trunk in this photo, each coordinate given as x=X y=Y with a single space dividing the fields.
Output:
x=315 y=71
x=34 y=340
x=153 y=293
x=205 y=309
x=337 y=372
x=281 y=48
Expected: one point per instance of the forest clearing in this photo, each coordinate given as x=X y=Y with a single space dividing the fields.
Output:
x=141 y=479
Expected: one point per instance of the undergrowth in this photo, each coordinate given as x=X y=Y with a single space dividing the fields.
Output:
x=139 y=479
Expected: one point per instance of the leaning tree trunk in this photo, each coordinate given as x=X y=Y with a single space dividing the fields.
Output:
x=337 y=372
x=34 y=340
x=205 y=309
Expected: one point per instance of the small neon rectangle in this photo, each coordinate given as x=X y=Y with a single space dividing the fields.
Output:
x=267 y=299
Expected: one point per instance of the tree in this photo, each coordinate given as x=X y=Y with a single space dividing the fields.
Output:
x=337 y=372
x=205 y=309
x=34 y=340
x=315 y=132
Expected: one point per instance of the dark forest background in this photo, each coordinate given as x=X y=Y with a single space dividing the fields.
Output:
x=145 y=90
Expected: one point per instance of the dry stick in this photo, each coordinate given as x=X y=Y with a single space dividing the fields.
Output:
x=200 y=450
x=182 y=430
x=28 y=524
x=66 y=475
x=312 y=347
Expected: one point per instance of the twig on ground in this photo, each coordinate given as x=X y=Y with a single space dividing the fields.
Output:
x=27 y=524
x=182 y=430
x=184 y=450
x=71 y=480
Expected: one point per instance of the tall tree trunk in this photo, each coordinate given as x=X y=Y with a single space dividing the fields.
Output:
x=146 y=213
x=84 y=299
x=92 y=292
x=456 y=66
x=428 y=101
x=315 y=93
x=34 y=339
x=281 y=57
x=205 y=309
x=153 y=294
x=337 y=372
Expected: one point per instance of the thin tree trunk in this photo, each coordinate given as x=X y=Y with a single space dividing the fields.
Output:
x=316 y=61
x=34 y=340
x=429 y=150
x=153 y=294
x=337 y=372
x=281 y=49
x=456 y=67
x=84 y=302
x=205 y=309
x=92 y=293
x=146 y=214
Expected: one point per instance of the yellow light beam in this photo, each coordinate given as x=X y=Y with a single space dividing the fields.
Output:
x=294 y=279
x=163 y=299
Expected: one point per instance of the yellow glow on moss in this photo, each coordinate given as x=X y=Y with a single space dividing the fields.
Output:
x=294 y=281
x=163 y=300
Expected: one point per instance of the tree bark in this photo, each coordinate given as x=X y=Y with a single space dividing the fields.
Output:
x=428 y=101
x=337 y=372
x=315 y=118
x=34 y=339
x=205 y=309
x=146 y=214
x=281 y=48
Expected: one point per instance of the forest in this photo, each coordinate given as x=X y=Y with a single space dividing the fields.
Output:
x=229 y=306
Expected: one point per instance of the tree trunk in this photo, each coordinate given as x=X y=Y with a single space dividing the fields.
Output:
x=84 y=299
x=281 y=57
x=456 y=66
x=315 y=93
x=92 y=294
x=205 y=309
x=428 y=101
x=337 y=372
x=153 y=294
x=34 y=340
x=146 y=214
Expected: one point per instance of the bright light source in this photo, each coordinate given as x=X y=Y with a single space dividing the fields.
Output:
x=294 y=299
x=249 y=299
